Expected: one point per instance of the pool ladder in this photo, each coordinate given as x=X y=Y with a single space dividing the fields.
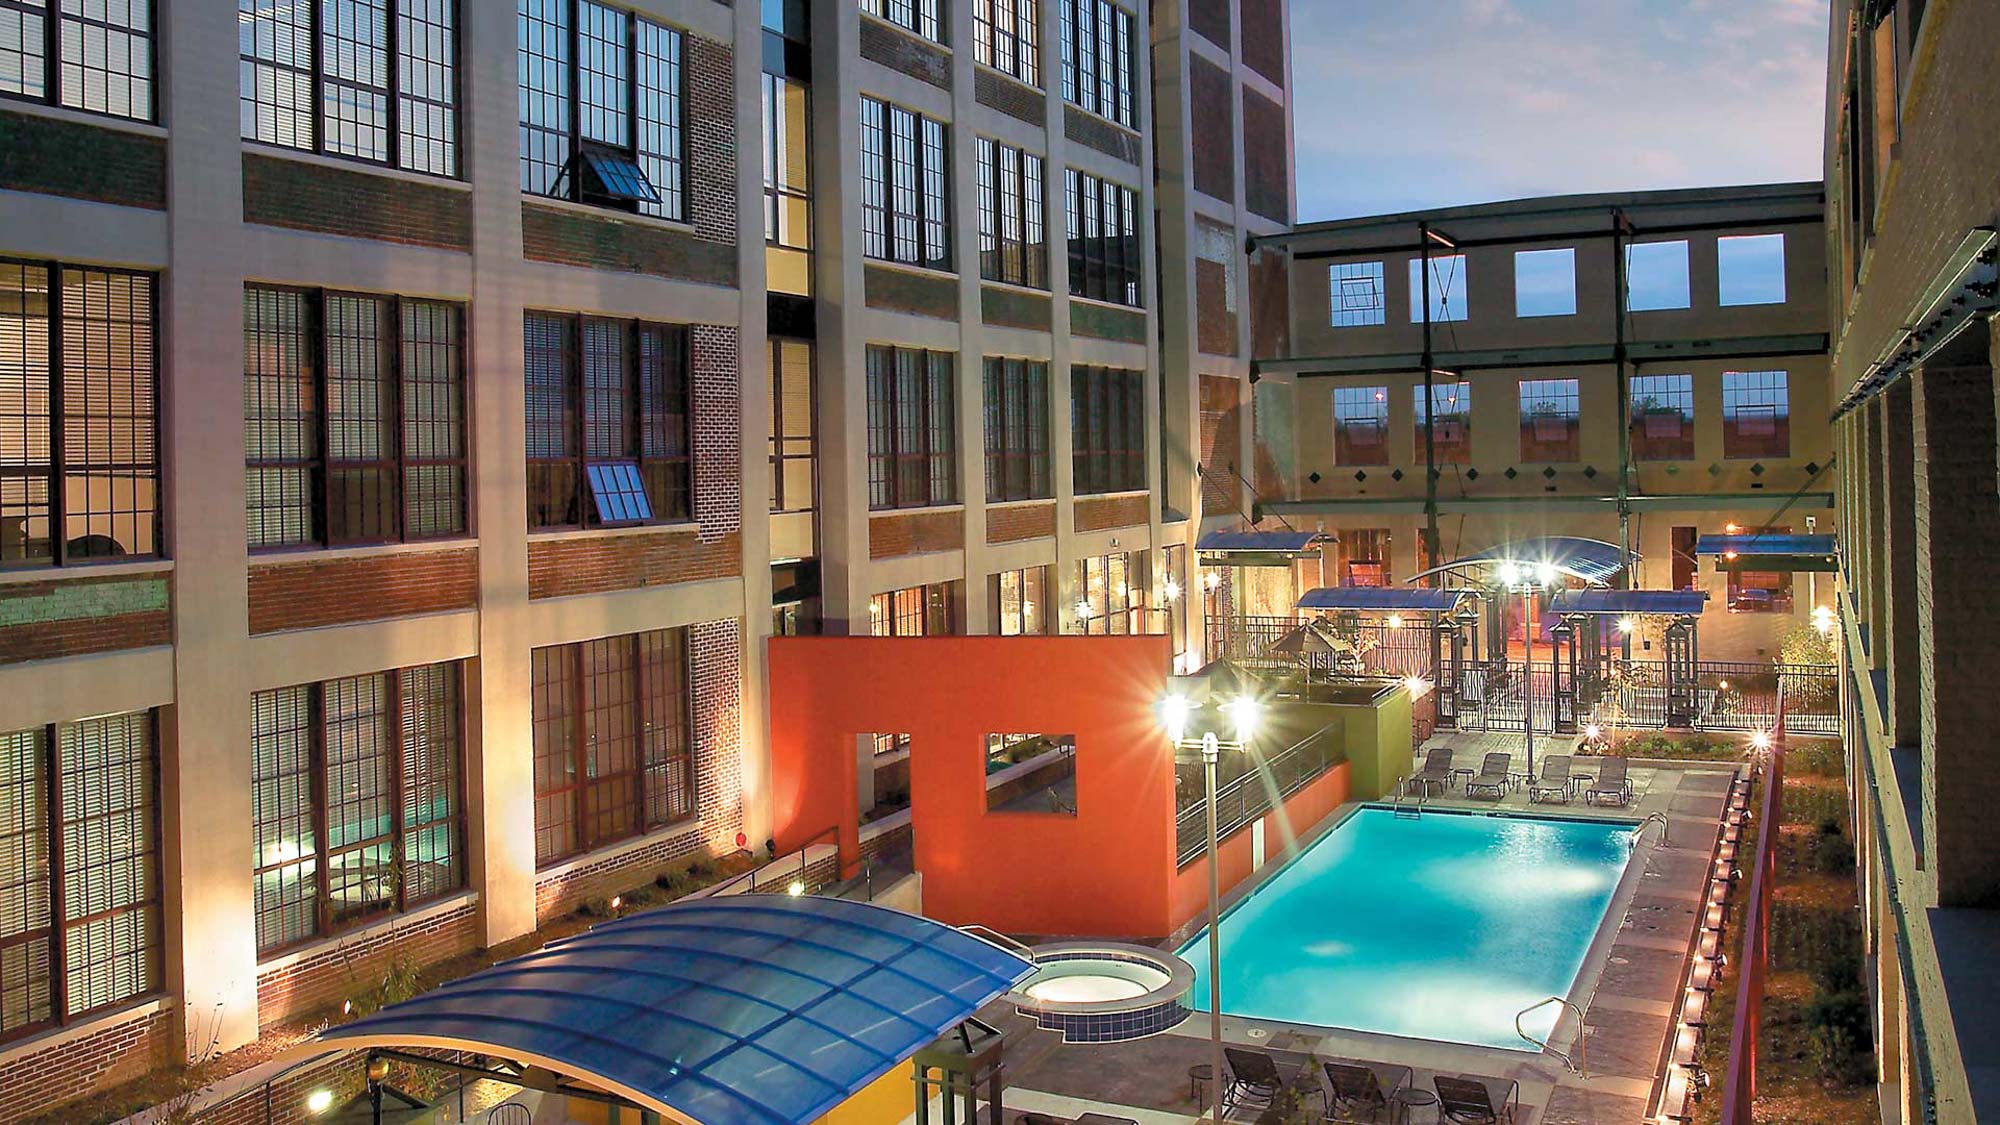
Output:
x=1659 y=818
x=1400 y=803
x=1578 y=1062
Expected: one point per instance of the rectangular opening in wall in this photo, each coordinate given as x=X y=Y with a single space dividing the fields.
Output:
x=1448 y=288
x=1361 y=425
x=1756 y=414
x=885 y=774
x=1662 y=417
x=1545 y=282
x=1750 y=269
x=1357 y=296
x=1031 y=773
x=1656 y=276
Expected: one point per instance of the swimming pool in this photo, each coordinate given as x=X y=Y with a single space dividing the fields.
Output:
x=1440 y=927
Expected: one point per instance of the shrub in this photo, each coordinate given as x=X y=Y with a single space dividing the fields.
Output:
x=1837 y=1025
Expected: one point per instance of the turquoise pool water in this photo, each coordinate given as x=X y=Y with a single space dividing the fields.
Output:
x=1435 y=928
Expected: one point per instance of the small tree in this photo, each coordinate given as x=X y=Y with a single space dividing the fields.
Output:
x=1807 y=645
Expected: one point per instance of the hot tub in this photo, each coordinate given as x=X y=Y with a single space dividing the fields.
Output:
x=1104 y=992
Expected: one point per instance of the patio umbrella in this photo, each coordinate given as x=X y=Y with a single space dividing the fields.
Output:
x=1309 y=639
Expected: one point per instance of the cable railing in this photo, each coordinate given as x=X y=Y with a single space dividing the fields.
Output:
x=1248 y=795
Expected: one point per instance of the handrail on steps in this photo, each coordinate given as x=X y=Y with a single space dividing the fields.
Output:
x=1659 y=818
x=997 y=938
x=832 y=830
x=1577 y=1065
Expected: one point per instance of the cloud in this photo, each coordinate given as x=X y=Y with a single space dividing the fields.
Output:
x=1436 y=102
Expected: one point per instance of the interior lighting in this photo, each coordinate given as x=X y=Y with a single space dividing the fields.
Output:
x=1172 y=591
x=1083 y=609
x=1213 y=578
x=1732 y=528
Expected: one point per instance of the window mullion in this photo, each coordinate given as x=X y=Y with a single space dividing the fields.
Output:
x=58 y=864
x=316 y=756
x=579 y=755
x=579 y=425
x=398 y=440
x=58 y=516
x=635 y=722
x=392 y=142
x=571 y=178
x=322 y=474
x=318 y=55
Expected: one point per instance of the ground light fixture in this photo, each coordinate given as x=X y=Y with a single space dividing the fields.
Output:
x=319 y=1101
x=1242 y=715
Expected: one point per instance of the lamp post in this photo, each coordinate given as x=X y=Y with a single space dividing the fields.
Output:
x=1526 y=580
x=1242 y=713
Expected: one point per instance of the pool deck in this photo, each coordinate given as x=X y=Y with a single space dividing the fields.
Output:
x=1627 y=988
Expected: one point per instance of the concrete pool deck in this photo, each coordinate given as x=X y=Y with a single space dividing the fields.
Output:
x=1627 y=988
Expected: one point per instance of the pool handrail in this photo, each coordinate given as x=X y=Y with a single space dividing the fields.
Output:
x=1578 y=1065
x=998 y=938
x=1660 y=818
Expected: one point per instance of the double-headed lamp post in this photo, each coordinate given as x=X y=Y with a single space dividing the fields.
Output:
x=1527 y=581
x=1242 y=714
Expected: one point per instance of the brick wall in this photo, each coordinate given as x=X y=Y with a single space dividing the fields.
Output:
x=1270 y=304
x=1266 y=171
x=278 y=192
x=306 y=593
x=715 y=359
x=57 y=617
x=1018 y=100
x=901 y=51
x=285 y=1102
x=1014 y=309
x=1221 y=451
x=711 y=124
x=1210 y=20
x=120 y=1051
x=561 y=568
x=573 y=238
x=1092 y=131
x=1215 y=321
x=1104 y=322
x=1028 y=521
x=82 y=161
x=1102 y=513
x=1264 y=38
x=914 y=533
x=904 y=291
x=356 y=963
x=1214 y=115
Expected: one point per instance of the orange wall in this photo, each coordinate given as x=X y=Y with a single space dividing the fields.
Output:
x=1104 y=872
x=1303 y=809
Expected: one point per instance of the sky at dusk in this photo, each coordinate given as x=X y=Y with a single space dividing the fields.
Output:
x=1404 y=104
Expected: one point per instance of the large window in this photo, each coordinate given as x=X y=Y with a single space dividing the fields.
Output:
x=1750 y=269
x=1545 y=282
x=1174 y=587
x=787 y=185
x=1108 y=429
x=602 y=96
x=1549 y=415
x=1021 y=602
x=92 y=56
x=1355 y=294
x=79 y=870
x=373 y=80
x=1361 y=425
x=925 y=17
x=613 y=743
x=356 y=800
x=1756 y=414
x=794 y=445
x=1108 y=587
x=354 y=418
x=905 y=197
x=1097 y=63
x=608 y=422
x=1449 y=287
x=79 y=414
x=1017 y=430
x=1656 y=276
x=915 y=611
x=1662 y=417
x=1450 y=410
x=912 y=428
x=1013 y=243
x=1006 y=35
x=1103 y=230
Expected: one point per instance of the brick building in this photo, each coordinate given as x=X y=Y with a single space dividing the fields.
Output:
x=1913 y=199
x=400 y=475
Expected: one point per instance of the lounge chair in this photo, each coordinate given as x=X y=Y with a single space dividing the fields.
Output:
x=1355 y=1095
x=1554 y=782
x=1468 y=1101
x=1436 y=771
x=1253 y=1079
x=1492 y=775
x=1612 y=786
x=1037 y=1119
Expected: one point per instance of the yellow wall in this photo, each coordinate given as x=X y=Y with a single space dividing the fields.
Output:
x=885 y=1101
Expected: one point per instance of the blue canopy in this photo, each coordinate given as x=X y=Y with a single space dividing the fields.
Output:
x=1410 y=599
x=1592 y=560
x=1225 y=541
x=739 y=1010
x=1755 y=543
x=1679 y=603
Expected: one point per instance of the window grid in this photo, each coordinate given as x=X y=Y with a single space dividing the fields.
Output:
x=368 y=80
x=357 y=808
x=905 y=194
x=1104 y=583
x=912 y=436
x=794 y=445
x=1022 y=603
x=1356 y=294
x=1549 y=420
x=354 y=418
x=604 y=392
x=1012 y=245
x=1451 y=433
x=1108 y=424
x=1361 y=425
x=603 y=98
x=925 y=17
x=97 y=57
x=79 y=408
x=1756 y=414
x=1096 y=38
x=613 y=741
x=1662 y=417
x=1017 y=430
x=1006 y=36
x=1102 y=228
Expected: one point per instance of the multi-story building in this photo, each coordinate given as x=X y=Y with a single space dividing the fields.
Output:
x=1641 y=368
x=400 y=475
x=1913 y=200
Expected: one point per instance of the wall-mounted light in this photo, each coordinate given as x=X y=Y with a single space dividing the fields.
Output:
x=319 y=1101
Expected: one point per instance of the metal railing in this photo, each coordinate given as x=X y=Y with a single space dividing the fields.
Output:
x=1248 y=795
x=779 y=868
x=1577 y=1065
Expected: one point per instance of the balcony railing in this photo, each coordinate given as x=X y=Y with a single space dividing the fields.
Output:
x=1249 y=795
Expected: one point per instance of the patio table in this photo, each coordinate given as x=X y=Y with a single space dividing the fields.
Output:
x=1462 y=774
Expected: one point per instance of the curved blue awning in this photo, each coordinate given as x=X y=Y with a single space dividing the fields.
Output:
x=743 y=1010
x=1677 y=603
x=1383 y=599
x=1591 y=560
x=1219 y=542
x=1753 y=543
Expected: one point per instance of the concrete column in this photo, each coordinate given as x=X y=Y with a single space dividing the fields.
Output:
x=1874 y=474
x=753 y=356
x=1898 y=641
x=840 y=352
x=1958 y=626
x=205 y=776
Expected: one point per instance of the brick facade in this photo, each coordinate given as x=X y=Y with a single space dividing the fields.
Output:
x=561 y=568
x=1012 y=308
x=1221 y=445
x=902 y=51
x=1092 y=131
x=594 y=241
x=1264 y=38
x=353 y=964
x=69 y=158
x=308 y=592
x=119 y=1051
x=1106 y=322
x=70 y=616
x=1027 y=521
x=921 y=294
x=1215 y=320
x=301 y=195
x=711 y=143
x=1267 y=180
x=892 y=534
x=1102 y=513
x=1213 y=113
x=1210 y=20
x=1270 y=304
x=715 y=359
x=284 y=1102
x=1017 y=100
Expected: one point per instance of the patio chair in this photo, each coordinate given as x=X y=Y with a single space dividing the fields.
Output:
x=1492 y=775
x=1612 y=786
x=1554 y=783
x=1436 y=771
x=1468 y=1101
x=1037 y=1119
x=1355 y=1095
x=1253 y=1078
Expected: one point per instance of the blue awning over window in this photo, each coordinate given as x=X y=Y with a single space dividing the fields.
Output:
x=1591 y=560
x=743 y=1010
x=1679 y=603
x=1383 y=599
x=1754 y=544
x=1219 y=542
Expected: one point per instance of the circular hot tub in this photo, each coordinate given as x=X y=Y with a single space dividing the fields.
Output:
x=1104 y=992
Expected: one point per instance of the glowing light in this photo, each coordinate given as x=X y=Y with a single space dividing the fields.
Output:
x=1723 y=685
x=617 y=901
x=1172 y=591
x=1509 y=574
x=347 y=1007
x=1627 y=624
x=1395 y=621
x=1732 y=528
x=1545 y=574
x=1213 y=578
x=1083 y=610
x=319 y=1101
x=1592 y=731
x=1417 y=686
x=1243 y=712
x=1729 y=554
x=797 y=888
x=875 y=609
x=1760 y=741
x=1174 y=712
